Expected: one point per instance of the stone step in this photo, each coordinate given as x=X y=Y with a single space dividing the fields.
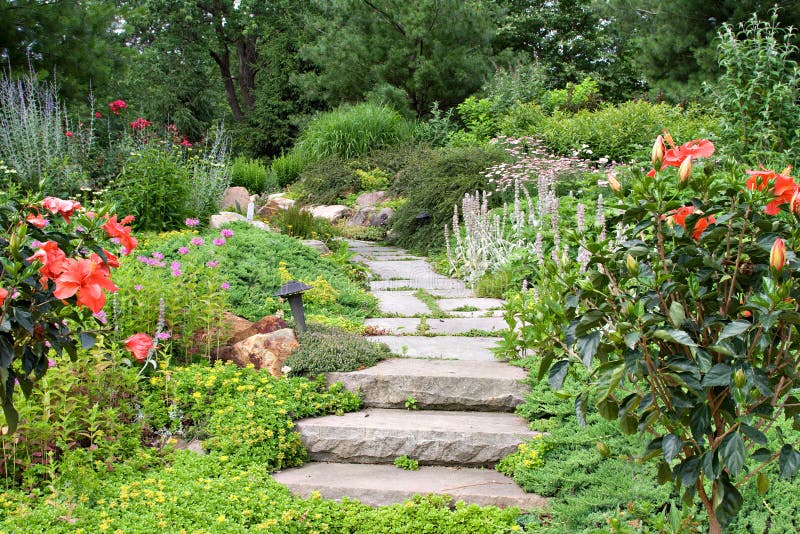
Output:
x=440 y=347
x=402 y=303
x=383 y=485
x=438 y=385
x=408 y=270
x=378 y=436
x=451 y=325
x=435 y=284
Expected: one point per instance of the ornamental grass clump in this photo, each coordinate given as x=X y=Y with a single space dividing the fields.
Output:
x=688 y=325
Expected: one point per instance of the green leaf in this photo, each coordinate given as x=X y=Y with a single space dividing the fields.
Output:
x=676 y=314
x=733 y=329
x=754 y=434
x=580 y=408
x=629 y=424
x=610 y=375
x=730 y=502
x=671 y=445
x=587 y=347
x=557 y=374
x=732 y=452
x=632 y=338
x=762 y=483
x=588 y=321
x=788 y=461
x=676 y=336
x=688 y=470
x=544 y=365
x=664 y=473
x=718 y=375
x=608 y=408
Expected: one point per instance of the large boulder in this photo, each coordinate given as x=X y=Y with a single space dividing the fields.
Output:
x=330 y=213
x=265 y=325
x=361 y=218
x=274 y=204
x=380 y=218
x=233 y=326
x=371 y=199
x=236 y=198
x=263 y=351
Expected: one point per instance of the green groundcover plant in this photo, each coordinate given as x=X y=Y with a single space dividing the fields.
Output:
x=687 y=322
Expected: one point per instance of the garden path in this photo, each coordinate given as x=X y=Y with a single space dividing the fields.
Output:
x=444 y=400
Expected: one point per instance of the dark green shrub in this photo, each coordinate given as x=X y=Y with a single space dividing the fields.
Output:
x=154 y=186
x=326 y=350
x=326 y=180
x=253 y=176
x=287 y=168
x=352 y=131
x=433 y=183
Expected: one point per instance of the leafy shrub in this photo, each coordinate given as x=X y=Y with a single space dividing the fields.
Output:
x=523 y=117
x=325 y=350
x=617 y=132
x=326 y=180
x=373 y=180
x=433 y=183
x=352 y=131
x=758 y=93
x=87 y=404
x=479 y=118
x=209 y=174
x=585 y=95
x=243 y=414
x=287 y=168
x=253 y=176
x=297 y=222
x=517 y=84
x=436 y=130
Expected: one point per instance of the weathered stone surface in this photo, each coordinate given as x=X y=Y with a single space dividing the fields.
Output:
x=438 y=384
x=233 y=325
x=432 y=283
x=331 y=213
x=260 y=224
x=195 y=446
x=432 y=437
x=236 y=198
x=383 y=485
x=273 y=205
x=401 y=303
x=361 y=217
x=409 y=270
x=371 y=199
x=224 y=217
x=395 y=325
x=461 y=325
x=316 y=244
x=266 y=325
x=444 y=347
x=264 y=351
x=479 y=303
x=381 y=217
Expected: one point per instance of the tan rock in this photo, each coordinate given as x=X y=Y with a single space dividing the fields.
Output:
x=233 y=326
x=370 y=199
x=331 y=213
x=264 y=351
x=265 y=325
x=224 y=217
x=236 y=198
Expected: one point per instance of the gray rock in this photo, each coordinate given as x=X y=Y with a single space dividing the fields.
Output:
x=317 y=244
x=460 y=325
x=447 y=347
x=237 y=198
x=438 y=384
x=431 y=437
x=330 y=213
x=224 y=217
x=195 y=446
x=384 y=485
x=380 y=218
x=401 y=303
x=371 y=199
x=362 y=216
x=260 y=224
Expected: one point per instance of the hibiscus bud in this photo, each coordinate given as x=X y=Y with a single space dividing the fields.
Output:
x=739 y=380
x=685 y=170
x=613 y=183
x=794 y=204
x=632 y=264
x=659 y=149
x=777 y=256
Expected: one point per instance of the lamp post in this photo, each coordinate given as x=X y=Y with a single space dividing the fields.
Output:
x=293 y=291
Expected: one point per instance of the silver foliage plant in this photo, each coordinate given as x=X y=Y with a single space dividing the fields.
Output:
x=210 y=175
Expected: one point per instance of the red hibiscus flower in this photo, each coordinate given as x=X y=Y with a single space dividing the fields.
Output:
x=87 y=278
x=65 y=208
x=759 y=179
x=37 y=220
x=52 y=259
x=3 y=295
x=121 y=232
x=697 y=148
x=679 y=216
x=139 y=345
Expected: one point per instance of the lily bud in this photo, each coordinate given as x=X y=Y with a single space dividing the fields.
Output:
x=659 y=149
x=739 y=379
x=613 y=183
x=685 y=170
x=794 y=204
x=777 y=256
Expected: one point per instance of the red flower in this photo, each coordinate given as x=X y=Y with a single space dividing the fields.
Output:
x=37 y=220
x=52 y=259
x=116 y=106
x=697 y=148
x=139 y=345
x=679 y=216
x=759 y=179
x=121 y=232
x=140 y=124
x=186 y=142
x=681 y=213
x=68 y=133
x=98 y=115
x=87 y=278
x=3 y=295
x=701 y=225
x=63 y=207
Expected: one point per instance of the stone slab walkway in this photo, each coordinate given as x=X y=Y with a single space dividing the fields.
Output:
x=444 y=401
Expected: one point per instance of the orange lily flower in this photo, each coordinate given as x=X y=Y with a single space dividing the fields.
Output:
x=87 y=278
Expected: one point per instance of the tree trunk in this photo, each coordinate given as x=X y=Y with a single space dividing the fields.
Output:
x=248 y=59
x=224 y=63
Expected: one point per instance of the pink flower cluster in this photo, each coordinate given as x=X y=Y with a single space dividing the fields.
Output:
x=140 y=124
x=116 y=106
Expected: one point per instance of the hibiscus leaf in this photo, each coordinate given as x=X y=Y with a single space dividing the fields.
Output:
x=788 y=461
x=676 y=336
x=718 y=375
x=733 y=329
x=587 y=347
x=671 y=445
x=557 y=374
x=732 y=452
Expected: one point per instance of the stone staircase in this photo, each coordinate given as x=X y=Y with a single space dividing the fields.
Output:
x=444 y=401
